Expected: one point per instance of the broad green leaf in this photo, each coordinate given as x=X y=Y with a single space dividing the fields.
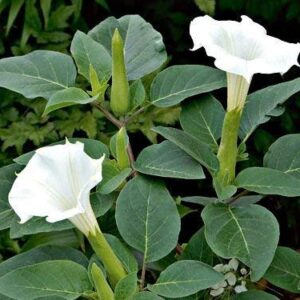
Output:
x=63 y=278
x=100 y=203
x=284 y=270
x=184 y=278
x=94 y=148
x=6 y=212
x=137 y=94
x=88 y=52
x=284 y=155
x=142 y=220
x=123 y=253
x=246 y=200
x=13 y=12
x=112 y=179
x=249 y=233
x=198 y=249
x=40 y=73
x=146 y=296
x=65 y=238
x=254 y=295
x=167 y=160
x=193 y=147
x=68 y=97
x=263 y=104
x=8 y=173
x=42 y=254
x=126 y=287
x=143 y=45
x=176 y=83
x=203 y=119
x=268 y=181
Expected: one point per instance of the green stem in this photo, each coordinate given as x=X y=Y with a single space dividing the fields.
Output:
x=103 y=289
x=112 y=264
x=228 y=149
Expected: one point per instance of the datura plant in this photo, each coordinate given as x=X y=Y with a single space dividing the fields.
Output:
x=57 y=201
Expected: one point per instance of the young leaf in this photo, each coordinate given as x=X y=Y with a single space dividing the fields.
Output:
x=268 y=181
x=184 y=278
x=203 y=119
x=68 y=97
x=230 y=232
x=88 y=52
x=126 y=287
x=284 y=270
x=144 y=48
x=141 y=209
x=261 y=105
x=176 y=83
x=284 y=155
x=167 y=160
x=193 y=147
x=40 y=73
x=64 y=279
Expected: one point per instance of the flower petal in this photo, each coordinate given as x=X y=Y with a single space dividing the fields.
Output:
x=242 y=48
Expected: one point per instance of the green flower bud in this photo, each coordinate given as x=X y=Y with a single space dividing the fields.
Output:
x=119 y=99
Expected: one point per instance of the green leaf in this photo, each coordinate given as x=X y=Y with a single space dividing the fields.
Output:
x=68 y=97
x=284 y=155
x=126 y=287
x=199 y=200
x=249 y=233
x=142 y=220
x=198 y=249
x=42 y=254
x=94 y=148
x=13 y=12
x=88 y=52
x=45 y=6
x=100 y=203
x=40 y=73
x=176 y=83
x=263 y=104
x=137 y=94
x=203 y=119
x=268 y=181
x=123 y=253
x=284 y=270
x=145 y=296
x=254 y=294
x=143 y=46
x=112 y=179
x=6 y=212
x=63 y=278
x=184 y=278
x=193 y=147
x=167 y=160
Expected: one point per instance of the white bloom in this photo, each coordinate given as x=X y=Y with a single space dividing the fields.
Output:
x=233 y=264
x=241 y=288
x=217 y=292
x=242 y=49
x=221 y=284
x=231 y=278
x=243 y=271
x=219 y=268
x=56 y=184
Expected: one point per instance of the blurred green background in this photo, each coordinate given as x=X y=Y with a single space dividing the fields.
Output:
x=50 y=24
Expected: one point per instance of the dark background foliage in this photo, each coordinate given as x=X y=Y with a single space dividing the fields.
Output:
x=22 y=128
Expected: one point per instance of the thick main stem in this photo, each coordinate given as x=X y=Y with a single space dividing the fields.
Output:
x=228 y=149
x=112 y=264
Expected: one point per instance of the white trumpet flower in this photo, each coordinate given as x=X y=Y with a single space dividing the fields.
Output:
x=242 y=49
x=56 y=184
